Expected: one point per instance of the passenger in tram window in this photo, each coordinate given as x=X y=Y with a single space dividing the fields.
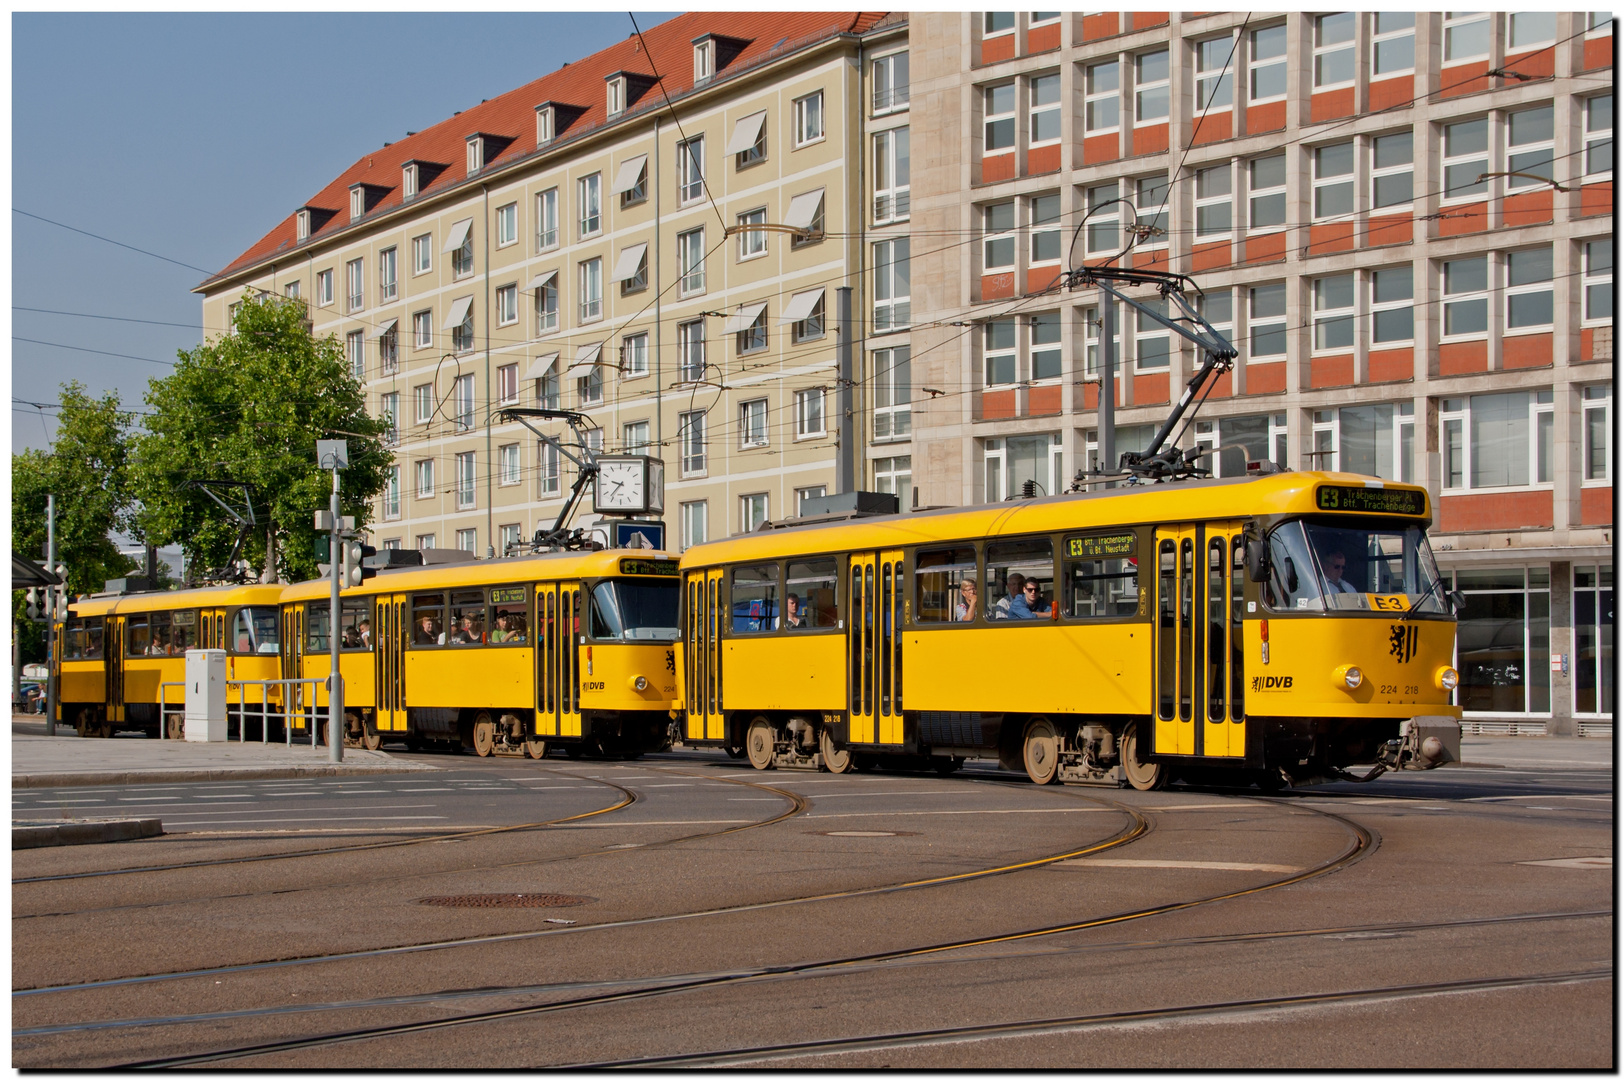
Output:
x=428 y=632
x=501 y=633
x=792 y=612
x=1030 y=603
x=363 y=634
x=467 y=633
x=1013 y=585
x=965 y=609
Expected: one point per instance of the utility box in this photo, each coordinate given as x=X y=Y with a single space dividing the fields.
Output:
x=205 y=695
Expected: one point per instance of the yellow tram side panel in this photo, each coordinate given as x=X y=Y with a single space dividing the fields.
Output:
x=805 y=674
x=359 y=672
x=614 y=667
x=1300 y=679
x=1068 y=669
x=143 y=674
x=83 y=682
x=471 y=678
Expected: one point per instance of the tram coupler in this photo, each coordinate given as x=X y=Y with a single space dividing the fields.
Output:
x=1424 y=742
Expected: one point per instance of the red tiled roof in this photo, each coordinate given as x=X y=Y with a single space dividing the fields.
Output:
x=580 y=83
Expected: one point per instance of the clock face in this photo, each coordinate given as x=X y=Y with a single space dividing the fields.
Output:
x=620 y=486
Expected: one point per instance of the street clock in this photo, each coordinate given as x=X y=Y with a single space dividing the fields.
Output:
x=629 y=484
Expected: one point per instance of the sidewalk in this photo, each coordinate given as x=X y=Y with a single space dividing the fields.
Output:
x=69 y=761
x=1536 y=752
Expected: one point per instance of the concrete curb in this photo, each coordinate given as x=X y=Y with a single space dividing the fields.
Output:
x=54 y=834
x=181 y=776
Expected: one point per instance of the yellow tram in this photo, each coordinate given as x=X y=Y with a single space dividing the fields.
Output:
x=503 y=656
x=114 y=651
x=1265 y=629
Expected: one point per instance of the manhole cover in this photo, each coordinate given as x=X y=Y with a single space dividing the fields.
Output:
x=506 y=900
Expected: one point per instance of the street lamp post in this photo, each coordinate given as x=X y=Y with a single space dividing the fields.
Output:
x=334 y=454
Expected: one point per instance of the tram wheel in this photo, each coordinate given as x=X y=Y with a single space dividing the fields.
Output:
x=484 y=735
x=1040 y=752
x=104 y=728
x=371 y=737
x=176 y=723
x=835 y=760
x=758 y=743
x=535 y=749
x=1142 y=775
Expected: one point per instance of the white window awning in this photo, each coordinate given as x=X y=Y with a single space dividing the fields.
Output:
x=459 y=312
x=541 y=366
x=627 y=265
x=746 y=132
x=586 y=358
x=459 y=233
x=800 y=306
x=742 y=319
x=384 y=328
x=803 y=209
x=544 y=278
x=630 y=170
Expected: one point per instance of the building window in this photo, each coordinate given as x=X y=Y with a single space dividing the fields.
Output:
x=547 y=305
x=1150 y=86
x=507 y=457
x=462 y=335
x=1333 y=49
x=1046 y=346
x=634 y=355
x=391 y=493
x=1497 y=440
x=355 y=346
x=425 y=542
x=422 y=253
x=632 y=269
x=386 y=275
x=1044 y=105
x=1503 y=640
x=1268 y=64
x=891 y=285
x=806 y=212
x=589 y=387
x=1466 y=36
x=893 y=393
x=591 y=290
x=806 y=495
x=1240 y=439
x=476 y=154
x=634 y=437
x=1393 y=45
x=467 y=540
x=996 y=23
x=1531 y=28
x=809 y=413
x=548 y=392
x=691 y=440
x=1012 y=463
x=998 y=121
x=507 y=384
x=753 y=338
x=1152 y=342
x=423 y=395
x=614 y=96
x=1150 y=200
x=545 y=125
x=589 y=198
x=752 y=512
x=1214 y=201
x=1393 y=159
x=1333 y=180
x=753 y=423
x=291 y=290
x=1593 y=641
x=1373 y=440
x=1598 y=135
x=1267 y=321
x=507 y=224
x=1103 y=100
x=1530 y=147
x=1104 y=227
x=465 y=481
x=1466 y=297
x=462 y=256
x=1267 y=185
x=691 y=351
x=1598 y=281
x=891 y=176
x=811 y=327
x=1217 y=306
x=547 y=220
x=633 y=188
x=1045 y=228
x=389 y=411
x=691 y=170
x=425 y=479
x=1333 y=313
x=512 y=537
x=998 y=357
x=463 y=395
x=998 y=243
x=1392 y=307
x=691 y=261
x=891 y=83
x=809 y=119
x=1598 y=425
x=324 y=287
x=548 y=469
x=507 y=305
x=704 y=62
x=694 y=516
x=1529 y=290
x=748 y=143
x=1214 y=84
x=752 y=241
x=894 y=476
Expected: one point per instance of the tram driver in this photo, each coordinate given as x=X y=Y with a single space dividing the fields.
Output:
x=1336 y=563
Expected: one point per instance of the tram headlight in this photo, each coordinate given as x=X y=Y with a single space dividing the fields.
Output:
x=638 y=683
x=1348 y=677
x=1448 y=678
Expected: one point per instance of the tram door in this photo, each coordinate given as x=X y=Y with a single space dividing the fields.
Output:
x=389 y=662
x=703 y=605
x=1223 y=728
x=874 y=647
x=1178 y=638
x=113 y=650
x=211 y=629
x=558 y=684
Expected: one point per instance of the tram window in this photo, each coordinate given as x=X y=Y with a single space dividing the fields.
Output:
x=1359 y=562
x=755 y=598
x=255 y=630
x=1099 y=586
x=160 y=643
x=355 y=624
x=82 y=639
x=428 y=619
x=1293 y=583
x=509 y=616
x=945 y=588
x=467 y=625
x=1019 y=580
x=183 y=632
x=1217 y=626
x=812 y=584
x=137 y=635
x=629 y=609
x=317 y=616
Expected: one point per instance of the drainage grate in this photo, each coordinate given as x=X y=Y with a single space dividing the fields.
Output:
x=506 y=900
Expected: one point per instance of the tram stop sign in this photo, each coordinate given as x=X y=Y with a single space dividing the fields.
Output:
x=652 y=532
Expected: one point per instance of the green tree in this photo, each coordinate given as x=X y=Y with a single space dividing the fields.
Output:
x=248 y=407
x=87 y=469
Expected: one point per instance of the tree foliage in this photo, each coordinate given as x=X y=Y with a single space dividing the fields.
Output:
x=248 y=407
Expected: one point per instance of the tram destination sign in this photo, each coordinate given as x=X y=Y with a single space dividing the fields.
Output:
x=654 y=567
x=1368 y=500
x=1086 y=547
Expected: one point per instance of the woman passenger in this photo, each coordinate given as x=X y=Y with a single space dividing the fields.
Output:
x=965 y=609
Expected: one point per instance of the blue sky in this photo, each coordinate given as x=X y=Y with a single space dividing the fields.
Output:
x=190 y=135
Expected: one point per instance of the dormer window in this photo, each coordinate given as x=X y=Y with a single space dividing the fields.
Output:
x=302 y=226
x=704 y=62
x=616 y=101
x=545 y=128
x=308 y=220
x=484 y=148
x=358 y=201
x=476 y=154
x=408 y=180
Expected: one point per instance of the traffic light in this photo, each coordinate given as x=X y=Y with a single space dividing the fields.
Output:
x=352 y=554
x=33 y=605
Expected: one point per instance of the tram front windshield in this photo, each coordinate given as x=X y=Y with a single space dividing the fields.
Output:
x=1343 y=566
x=254 y=630
x=624 y=610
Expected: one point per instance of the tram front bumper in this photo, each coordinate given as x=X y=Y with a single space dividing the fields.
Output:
x=1425 y=742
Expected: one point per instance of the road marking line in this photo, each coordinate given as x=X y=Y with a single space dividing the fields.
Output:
x=653 y=786
x=1181 y=864
x=631 y=824
x=870 y=794
x=1583 y=862
x=935 y=813
x=225 y=796
x=396 y=817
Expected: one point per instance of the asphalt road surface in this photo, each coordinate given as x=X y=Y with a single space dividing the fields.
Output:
x=685 y=909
